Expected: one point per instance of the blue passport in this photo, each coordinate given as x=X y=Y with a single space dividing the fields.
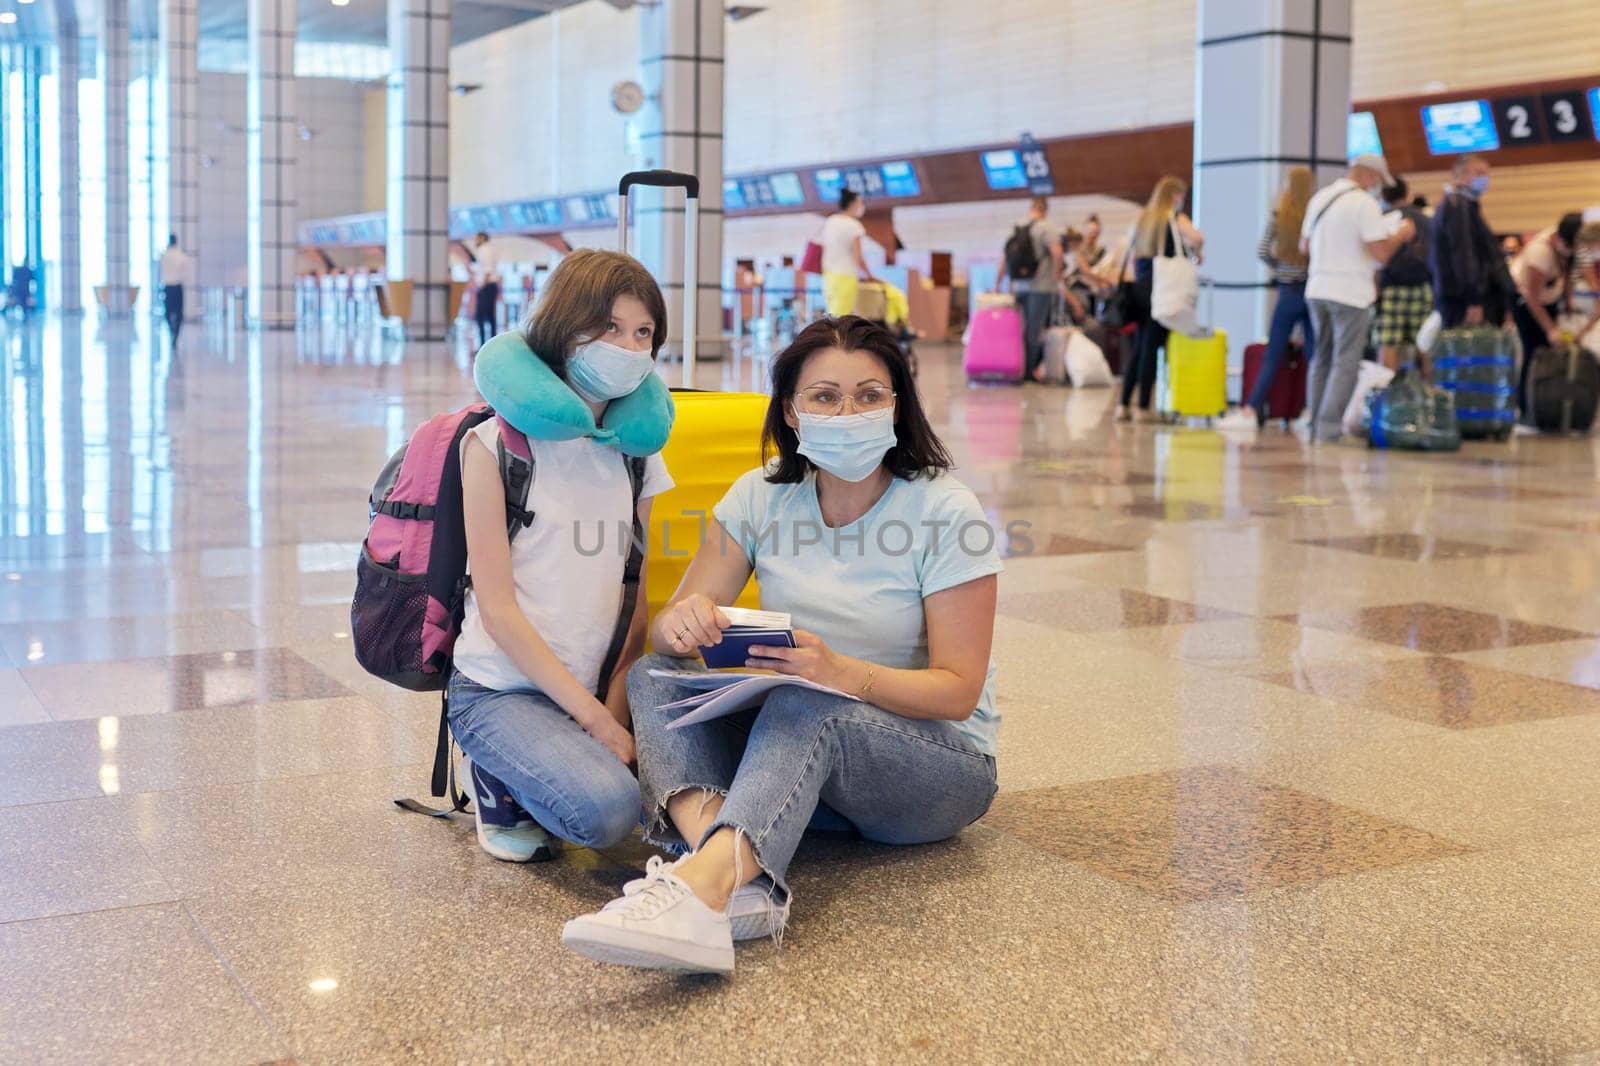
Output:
x=736 y=644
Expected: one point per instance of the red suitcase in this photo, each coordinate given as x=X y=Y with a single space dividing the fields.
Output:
x=1287 y=397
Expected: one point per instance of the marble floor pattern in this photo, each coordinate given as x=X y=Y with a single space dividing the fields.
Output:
x=1299 y=761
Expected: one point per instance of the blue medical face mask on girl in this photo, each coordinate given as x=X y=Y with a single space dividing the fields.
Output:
x=849 y=447
x=1479 y=184
x=599 y=370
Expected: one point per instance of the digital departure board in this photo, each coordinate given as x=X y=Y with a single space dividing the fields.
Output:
x=900 y=179
x=1361 y=135
x=1463 y=126
x=1002 y=169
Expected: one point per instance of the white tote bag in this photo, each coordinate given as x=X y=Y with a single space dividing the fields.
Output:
x=1175 y=290
x=1370 y=377
x=1086 y=363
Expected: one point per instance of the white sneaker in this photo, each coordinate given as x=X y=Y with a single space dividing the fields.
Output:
x=504 y=829
x=662 y=926
x=752 y=910
x=1237 y=421
x=755 y=914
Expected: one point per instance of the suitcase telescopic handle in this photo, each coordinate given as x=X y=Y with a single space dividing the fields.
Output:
x=660 y=179
x=672 y=179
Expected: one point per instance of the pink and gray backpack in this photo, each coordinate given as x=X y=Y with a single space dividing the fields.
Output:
x=411 y=577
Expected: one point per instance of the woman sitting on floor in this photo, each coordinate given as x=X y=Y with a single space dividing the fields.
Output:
x=888 y=567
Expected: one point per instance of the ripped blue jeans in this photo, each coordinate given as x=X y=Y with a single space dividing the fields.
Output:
x=893 y=780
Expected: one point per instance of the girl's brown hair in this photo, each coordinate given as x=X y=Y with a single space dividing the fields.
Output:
x=1291 y=214
x=577 y=303
x=1151 y=232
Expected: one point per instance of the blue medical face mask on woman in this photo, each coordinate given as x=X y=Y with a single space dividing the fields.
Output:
x=849 y=447
x=1479 y=184
x=599 y=370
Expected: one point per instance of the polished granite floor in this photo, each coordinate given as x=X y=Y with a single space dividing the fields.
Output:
x=1299 y=761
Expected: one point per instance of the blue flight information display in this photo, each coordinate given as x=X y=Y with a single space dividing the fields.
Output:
x=764 y=190
x=1362 y=135
x=900 y=179
x=830 y=183
x=1465 y=126
x=1594 y=111
x=787 y=190
x=897 y=179
x=1002 y=168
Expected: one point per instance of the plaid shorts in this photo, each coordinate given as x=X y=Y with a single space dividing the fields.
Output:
x=1401 y=311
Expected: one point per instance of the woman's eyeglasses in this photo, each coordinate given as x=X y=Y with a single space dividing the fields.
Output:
x=827 y=400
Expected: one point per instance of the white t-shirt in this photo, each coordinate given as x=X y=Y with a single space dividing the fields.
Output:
x=568 y=564
x=1341 y=267
x=839 y=235
x=1541 y=254
x=860 y=587
x=486 y=262
x=174 y=266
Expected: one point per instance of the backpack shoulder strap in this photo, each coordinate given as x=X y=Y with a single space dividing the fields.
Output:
x=515 y=456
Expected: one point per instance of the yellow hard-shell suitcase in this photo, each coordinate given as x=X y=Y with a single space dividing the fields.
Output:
x=716 y=437
x=1197 y=374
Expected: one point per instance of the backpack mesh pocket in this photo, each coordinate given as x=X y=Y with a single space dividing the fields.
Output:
x=386 y=619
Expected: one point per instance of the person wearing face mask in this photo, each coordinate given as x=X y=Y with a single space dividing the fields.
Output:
x=1346 y=239
x=888 y=566
x=1471 y=284
x=547 y=757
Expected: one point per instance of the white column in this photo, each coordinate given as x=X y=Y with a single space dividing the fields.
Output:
x=33 y=200
x=114 y=79
x=270 y=148
x=180 y=78
x=1272 y=91
x=418 y=169
x=680 y=57
x=68 y=66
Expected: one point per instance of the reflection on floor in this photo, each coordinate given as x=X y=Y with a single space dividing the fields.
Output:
x=1298 y=764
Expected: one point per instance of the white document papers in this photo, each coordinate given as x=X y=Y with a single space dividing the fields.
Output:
x=753 y=619
x=728 y=692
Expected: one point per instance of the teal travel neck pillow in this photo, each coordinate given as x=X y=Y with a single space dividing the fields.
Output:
x=524 y=391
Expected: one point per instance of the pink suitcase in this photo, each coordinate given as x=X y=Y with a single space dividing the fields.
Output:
x=994 y=350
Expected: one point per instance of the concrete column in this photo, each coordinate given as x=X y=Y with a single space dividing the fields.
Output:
x=68 y=67
x=418 y=169
x=114 y=79
x=180 y=78
x=680 y=57
x=271 y=129
x=1272 y=91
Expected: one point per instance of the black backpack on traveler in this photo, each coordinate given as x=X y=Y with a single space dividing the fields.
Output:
x=1022 y=260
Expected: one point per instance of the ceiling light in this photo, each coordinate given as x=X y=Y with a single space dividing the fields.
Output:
x=24 y=1
x=341 y=3
x=7 y=17
x=325 y=984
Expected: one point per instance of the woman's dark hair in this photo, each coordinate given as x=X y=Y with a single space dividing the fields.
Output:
x=577 y=302
x=1396 y=193
x=917 y=452
x=847 y=197
x=1567 y=229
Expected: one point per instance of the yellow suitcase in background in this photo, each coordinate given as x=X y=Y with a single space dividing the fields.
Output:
x=716 y=437
x=1197 y=375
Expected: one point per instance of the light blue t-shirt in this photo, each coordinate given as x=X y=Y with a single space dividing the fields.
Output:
x=860 y=587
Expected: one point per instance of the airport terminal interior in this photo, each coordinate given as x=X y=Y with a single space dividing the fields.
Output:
x=1292 y=714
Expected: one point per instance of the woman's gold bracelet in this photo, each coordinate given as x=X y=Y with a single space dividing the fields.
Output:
x=866 y=686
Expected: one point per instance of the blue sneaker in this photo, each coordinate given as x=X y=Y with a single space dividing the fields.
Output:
x=504 y=829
